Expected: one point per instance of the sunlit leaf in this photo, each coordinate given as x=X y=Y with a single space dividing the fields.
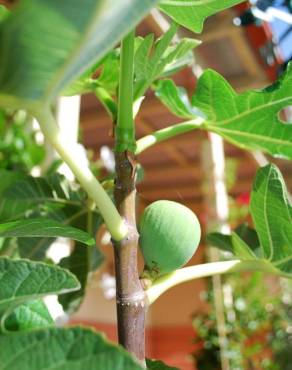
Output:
x=176 y=99
x=160 y=58
x=249 y=120
x=41 y=227
x=107 y=78
x=4 y=12
x=192 y=13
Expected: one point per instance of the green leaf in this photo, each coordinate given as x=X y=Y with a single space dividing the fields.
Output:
x=8 y=178
x=81 y=86
x=271 y=244
x=84 y=83
x=182 y=56
x=146 y=60
x=37 y=196
x=62 y=349
x=243 y=242
x=40 y=227
x=220 y=241
x=248 y=235
x=105 y=87
x=34 y=248
x=241 y=248
x=272 y=215
x=23 y=280
x=54 y=197
x=80 y=264
x=158 y=365
x=154 y=60
x=249 y=120
x=51 y=197
x=108 y=77
x=28 y=316
x=192 y=13
x=46 y=44
x=4 y=12
x=176 y=99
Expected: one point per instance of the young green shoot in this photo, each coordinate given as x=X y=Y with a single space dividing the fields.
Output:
x=125 y=131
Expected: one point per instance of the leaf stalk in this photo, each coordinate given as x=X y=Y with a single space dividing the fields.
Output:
x=167 y=133
x=68 y=151
x=165 y=282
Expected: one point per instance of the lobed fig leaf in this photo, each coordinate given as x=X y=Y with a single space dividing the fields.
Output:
x=269 y=245
x=169 y=236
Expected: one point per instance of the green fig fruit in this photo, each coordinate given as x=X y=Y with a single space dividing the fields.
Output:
x=169 y=236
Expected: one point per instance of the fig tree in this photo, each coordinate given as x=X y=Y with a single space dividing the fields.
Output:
x=169 y=236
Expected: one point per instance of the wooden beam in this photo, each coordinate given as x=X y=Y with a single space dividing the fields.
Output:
x=196 y=207
x=245 y=82
x=218 y=28
x=245 y=53
x=192 y=190
x=176 y=192
x=246 y=168
x=153 y=25
x=169 y=175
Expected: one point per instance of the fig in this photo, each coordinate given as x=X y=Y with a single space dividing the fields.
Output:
x=169 y=236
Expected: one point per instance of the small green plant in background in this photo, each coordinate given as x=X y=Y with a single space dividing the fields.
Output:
x=50 y=48
x=19 y=149
x=258 y=325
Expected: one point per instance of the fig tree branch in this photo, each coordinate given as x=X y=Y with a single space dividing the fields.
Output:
x=129 y=292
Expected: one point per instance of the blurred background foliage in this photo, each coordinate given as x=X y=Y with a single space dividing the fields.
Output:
x=258 y=325
x=19 y=148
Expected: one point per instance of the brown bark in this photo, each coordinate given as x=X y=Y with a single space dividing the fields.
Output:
x=129 y=292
